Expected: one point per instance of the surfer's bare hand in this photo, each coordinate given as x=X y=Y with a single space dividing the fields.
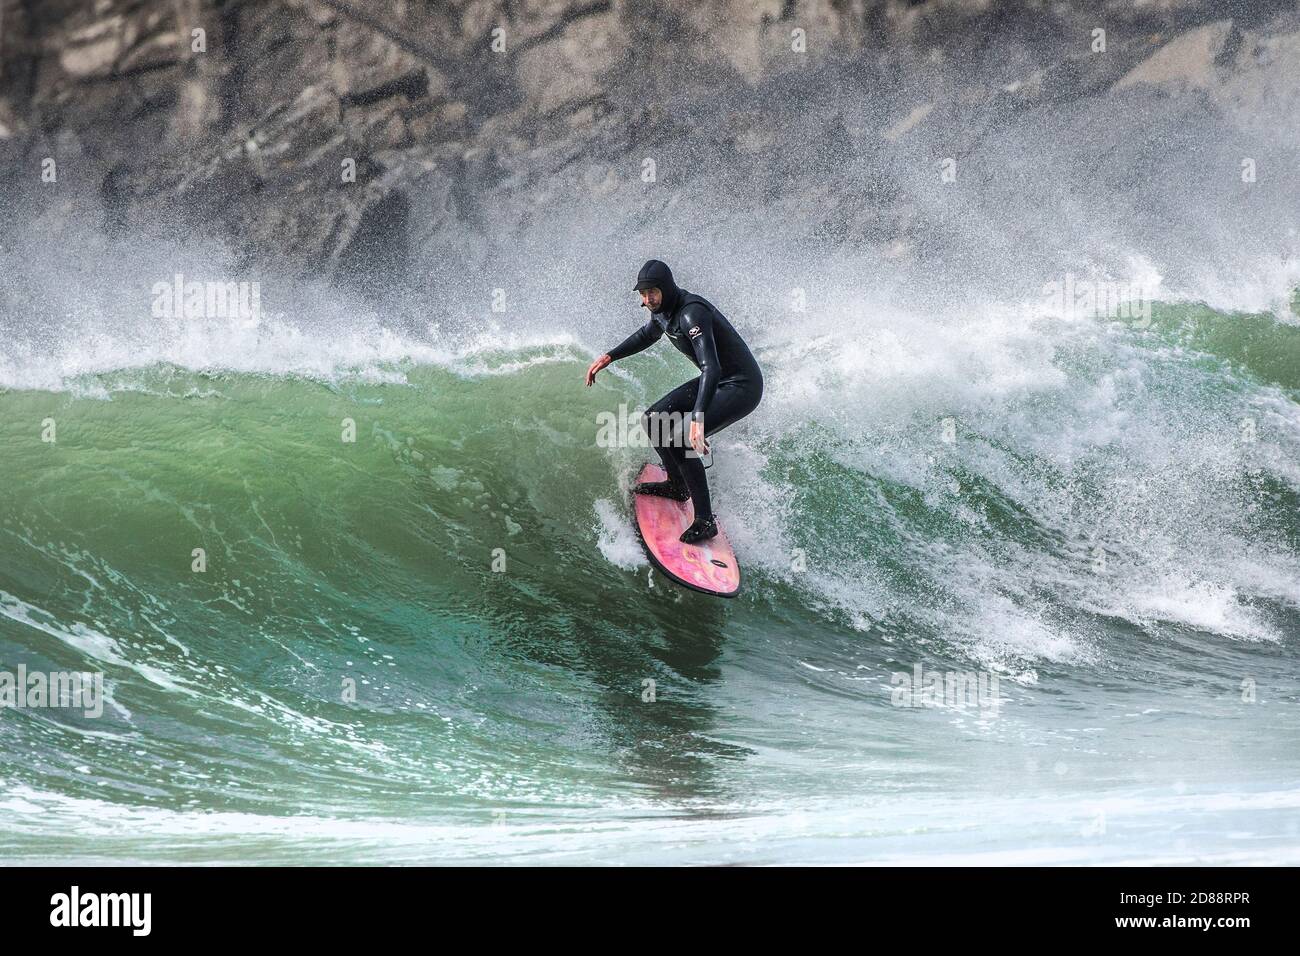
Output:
x=596 y=366
x=697 y=438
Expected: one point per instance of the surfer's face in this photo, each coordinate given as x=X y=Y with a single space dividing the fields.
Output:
x=652 y=299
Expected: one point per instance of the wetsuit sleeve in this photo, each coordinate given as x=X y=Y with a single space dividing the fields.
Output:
x=638 y=341
x=698 y=322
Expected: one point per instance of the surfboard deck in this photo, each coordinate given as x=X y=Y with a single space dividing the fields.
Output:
x=709 y=567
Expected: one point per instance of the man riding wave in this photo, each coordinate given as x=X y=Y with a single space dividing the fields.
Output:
x=729 y=387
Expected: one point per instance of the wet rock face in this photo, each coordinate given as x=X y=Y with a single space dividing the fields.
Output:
x=341 y=134
x=1191 y=59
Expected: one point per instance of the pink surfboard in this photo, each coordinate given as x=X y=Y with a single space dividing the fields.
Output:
x=709 y=567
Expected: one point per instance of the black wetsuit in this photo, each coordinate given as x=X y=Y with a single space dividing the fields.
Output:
x=729 y=388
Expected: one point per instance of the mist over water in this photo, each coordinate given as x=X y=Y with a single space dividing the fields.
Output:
x=1099 y=512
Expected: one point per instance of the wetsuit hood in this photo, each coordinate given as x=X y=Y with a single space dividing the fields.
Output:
x=655 y=274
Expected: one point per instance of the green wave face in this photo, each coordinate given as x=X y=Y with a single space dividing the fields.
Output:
x=421 y=628
x=1258 y=344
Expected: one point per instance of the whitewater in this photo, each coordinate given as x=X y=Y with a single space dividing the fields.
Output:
x=439 y=640
x=362 y=585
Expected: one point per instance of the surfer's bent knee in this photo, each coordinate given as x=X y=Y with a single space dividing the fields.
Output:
x=663 y=427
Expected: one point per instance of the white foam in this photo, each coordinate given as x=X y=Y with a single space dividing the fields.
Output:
x=87 y=640
x=616 y=538
x=1207 y=606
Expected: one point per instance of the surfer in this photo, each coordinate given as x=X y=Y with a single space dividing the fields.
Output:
x=728 y=388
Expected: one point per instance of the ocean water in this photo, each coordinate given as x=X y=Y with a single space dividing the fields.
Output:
x=440 y=642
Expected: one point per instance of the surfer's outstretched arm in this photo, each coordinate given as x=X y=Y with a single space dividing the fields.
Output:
x=638 y=341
